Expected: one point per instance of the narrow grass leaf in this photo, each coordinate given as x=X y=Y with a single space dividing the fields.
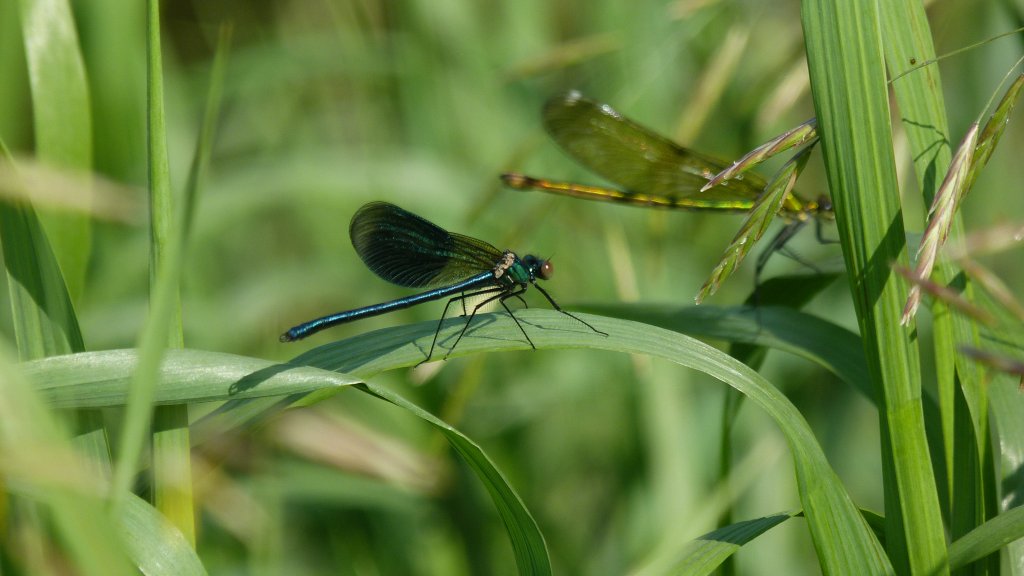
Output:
x=705 y=554
x=102 y=379
x=44 y=318
x=62 y=121
x=987 y=538
x=527 y=541
x=830 y=346
x=172 y=449
x=844 y=55
x=828 y=507
x=156 y=546
x=923 y=113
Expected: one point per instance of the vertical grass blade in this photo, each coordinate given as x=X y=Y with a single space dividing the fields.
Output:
x=62 y=120
x=922 y=109
x=164 y=305
x=45 y=323
x=844 y=51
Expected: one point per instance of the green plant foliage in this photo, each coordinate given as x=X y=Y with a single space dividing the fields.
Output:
x=154 y=423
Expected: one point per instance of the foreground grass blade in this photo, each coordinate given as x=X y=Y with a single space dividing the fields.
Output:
x=848 y=84
x=61 y=119
x=987 y=538
x=844 y=543
x=41 y=467
x=44 y=318
x=156 y=546
x=923 y=112
x=833 y=347
x=527 y=540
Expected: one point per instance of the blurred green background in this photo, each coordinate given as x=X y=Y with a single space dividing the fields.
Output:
x=332 y=104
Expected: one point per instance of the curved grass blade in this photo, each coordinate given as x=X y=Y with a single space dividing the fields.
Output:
x=830 y=346
x=527 y=539
x=156 y=546
x=847 y=72
x=829 y=509
x=987 y=538
x=704 y=554
x=101 y=379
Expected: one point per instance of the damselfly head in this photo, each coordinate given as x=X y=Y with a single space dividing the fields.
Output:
x=539 y=267
x=824 y=207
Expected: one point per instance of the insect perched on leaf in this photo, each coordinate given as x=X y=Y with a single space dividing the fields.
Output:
x=653 y=171
x=409 y=251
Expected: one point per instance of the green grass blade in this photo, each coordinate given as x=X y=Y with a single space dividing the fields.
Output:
x=172 y=449
x=830 y=512
x=62 y=121
x=161 y=215
x=923 y=111
x=527 y=541
x=100 y=379
x=40 y=467
x=156 y=546
x=832 y=347
x=44 y=318
x=831 y=515
x=847 y=75
x=703 y=555
x=987 y=538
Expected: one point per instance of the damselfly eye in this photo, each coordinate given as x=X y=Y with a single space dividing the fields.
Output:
x=546 y=270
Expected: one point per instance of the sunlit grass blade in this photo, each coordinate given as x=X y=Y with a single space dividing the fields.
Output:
x=165 y=306
x=805 y=133
x=156 y=546
x=756 y=223
x=172 y=448
x=987 y=538
x=959 y=383
x=62 y=121
x=830 y=346
x=825 y=501
x=848 y=84
x=103 y=379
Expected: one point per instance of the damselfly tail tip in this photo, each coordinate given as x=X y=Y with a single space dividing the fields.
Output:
x=517 y=181
x=288 y=337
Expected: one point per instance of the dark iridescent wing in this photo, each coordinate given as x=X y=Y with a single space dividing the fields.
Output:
x=642 y=162
x=407 y=250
